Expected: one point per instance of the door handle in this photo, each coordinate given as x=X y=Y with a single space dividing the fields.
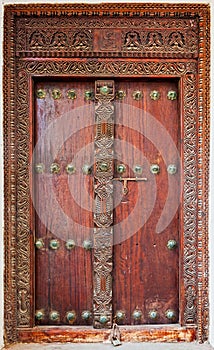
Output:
x=125 y=182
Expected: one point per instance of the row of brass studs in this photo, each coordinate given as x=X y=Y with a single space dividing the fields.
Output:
x=152 y=314
x=89 y=94
x=87 y=169
x=55 y=168
x=87 y=244
x=69 y=244
x=154 y=168
x=70 y=315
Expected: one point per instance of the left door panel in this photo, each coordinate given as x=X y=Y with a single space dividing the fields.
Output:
x=63 y=201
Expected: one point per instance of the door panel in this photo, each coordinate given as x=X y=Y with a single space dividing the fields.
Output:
x=63 y=129
x=146 y=218
x=145 y=271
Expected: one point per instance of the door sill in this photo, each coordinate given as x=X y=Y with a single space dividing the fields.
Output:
x=77 y=334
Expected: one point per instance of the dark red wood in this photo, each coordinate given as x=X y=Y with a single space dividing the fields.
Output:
x=64 y=202
x=145 y=270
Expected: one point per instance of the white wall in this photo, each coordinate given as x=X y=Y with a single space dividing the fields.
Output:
x=211 y=231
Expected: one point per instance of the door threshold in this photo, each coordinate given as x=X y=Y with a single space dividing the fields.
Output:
x=88 y=334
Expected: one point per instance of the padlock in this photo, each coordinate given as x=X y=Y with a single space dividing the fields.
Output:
x=116 y=342
x=115 y=335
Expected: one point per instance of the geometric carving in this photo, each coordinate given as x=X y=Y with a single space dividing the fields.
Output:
x=161 y=33
x=103 y=211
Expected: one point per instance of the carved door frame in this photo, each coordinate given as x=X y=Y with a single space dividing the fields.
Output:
x=179 y=48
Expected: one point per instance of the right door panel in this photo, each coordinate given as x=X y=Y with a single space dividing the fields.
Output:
x=146 y=214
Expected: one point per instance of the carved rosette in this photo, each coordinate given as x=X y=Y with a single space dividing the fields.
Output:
x=103 y=211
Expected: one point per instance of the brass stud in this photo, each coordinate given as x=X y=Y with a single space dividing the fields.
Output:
x=120 y=315
x=87 y=244
x=103 y=319
x=72 y=94
x=70 y=168
x=86 y=314
x=41 y=93
x=172 y=95
x=121 y=168
x=153 y=314
x=120 y=94
x=171 y=244
x=138 y=169
x=70 y=244
x=170 y=314
x=137 y=314
x=89 y=95
x=104 y=90
x=71 y=316
x=137 y=95
x=87 y=169
x=39 y=315
x=54 y=315
x=39 y=168
x=172 y=169
x=103 y=166
x=56 y=94
x=155 y=95
x=39 y=243
x=155 y=169
x=54 y=244
x=54 y=168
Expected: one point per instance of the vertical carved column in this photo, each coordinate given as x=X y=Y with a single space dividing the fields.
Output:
x=103 y=211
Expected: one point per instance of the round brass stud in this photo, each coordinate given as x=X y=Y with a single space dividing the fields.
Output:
x=138 y=169
x=103 y=319
x=170 y=314
x=87 y=244
x=155 y=95
x=39 y=168
x=86 y=314
x=137 y=314
x=171 y=244
x=89 y=95
x=39 y=315
x=39 y=243
x=121 y=168
x=41 y=93
x=120 y=315
x=104 y=90
x=172 y=95
x=103 y=166
x=56 y=94
x=70 y=168
x=70 y=244
x=71 y=316
x=120 y=94
x=137 y=95
x=153 y=314
x=155 y=169
x=172 y=169
x=54 y=168
x=87 y=169
x=54 y=315
x=72 y=94
x=54 y=244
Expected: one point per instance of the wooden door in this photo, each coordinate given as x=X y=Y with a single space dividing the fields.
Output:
x=146 y=172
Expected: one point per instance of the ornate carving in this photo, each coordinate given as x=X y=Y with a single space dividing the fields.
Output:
x=103 y=213
x=118 y=36
x=21 y=22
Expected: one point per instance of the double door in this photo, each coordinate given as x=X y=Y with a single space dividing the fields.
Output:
x=106 y=199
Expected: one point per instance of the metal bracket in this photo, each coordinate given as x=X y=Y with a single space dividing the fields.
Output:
x=125 y=182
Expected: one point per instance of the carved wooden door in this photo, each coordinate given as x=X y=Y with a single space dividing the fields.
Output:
x=106 y=195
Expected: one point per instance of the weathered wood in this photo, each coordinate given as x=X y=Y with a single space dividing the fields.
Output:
x=89 y=335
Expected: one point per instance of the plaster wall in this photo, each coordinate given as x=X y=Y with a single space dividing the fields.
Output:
x=211 y=229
